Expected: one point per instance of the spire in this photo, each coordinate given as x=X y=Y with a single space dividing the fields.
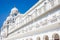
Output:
x=14 y=6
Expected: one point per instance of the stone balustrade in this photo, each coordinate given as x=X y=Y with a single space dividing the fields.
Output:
x=45 y=21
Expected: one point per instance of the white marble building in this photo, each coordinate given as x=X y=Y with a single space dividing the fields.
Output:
x=41 y=22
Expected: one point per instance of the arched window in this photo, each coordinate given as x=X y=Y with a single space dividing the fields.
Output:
x=30 y=39
x=55 y=36
x=15 y=14
x=38 y=38
x=26 y=39
x=46 y=37
x=7 y=22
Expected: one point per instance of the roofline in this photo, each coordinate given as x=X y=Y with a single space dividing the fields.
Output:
x=33 y=7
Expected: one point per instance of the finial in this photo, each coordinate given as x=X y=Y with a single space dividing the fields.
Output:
x=14 y=6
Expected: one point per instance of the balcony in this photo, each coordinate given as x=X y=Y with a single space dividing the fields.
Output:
x=49 y=20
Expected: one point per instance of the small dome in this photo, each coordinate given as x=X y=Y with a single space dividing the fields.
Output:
x=14 y=10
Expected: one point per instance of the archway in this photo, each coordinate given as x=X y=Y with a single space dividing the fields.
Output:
x=38 y=38
x=55 y=36
x=46 y=37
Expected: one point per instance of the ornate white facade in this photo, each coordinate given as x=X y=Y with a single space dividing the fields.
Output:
x=41 y=22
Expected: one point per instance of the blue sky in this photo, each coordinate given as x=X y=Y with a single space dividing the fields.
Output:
x=7 y=5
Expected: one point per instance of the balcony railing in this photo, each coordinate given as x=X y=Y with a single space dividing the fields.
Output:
x=44 y=22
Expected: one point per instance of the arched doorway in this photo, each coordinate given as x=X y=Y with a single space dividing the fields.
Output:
x=46 y=37
x=38 y=38
x=55 y=36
